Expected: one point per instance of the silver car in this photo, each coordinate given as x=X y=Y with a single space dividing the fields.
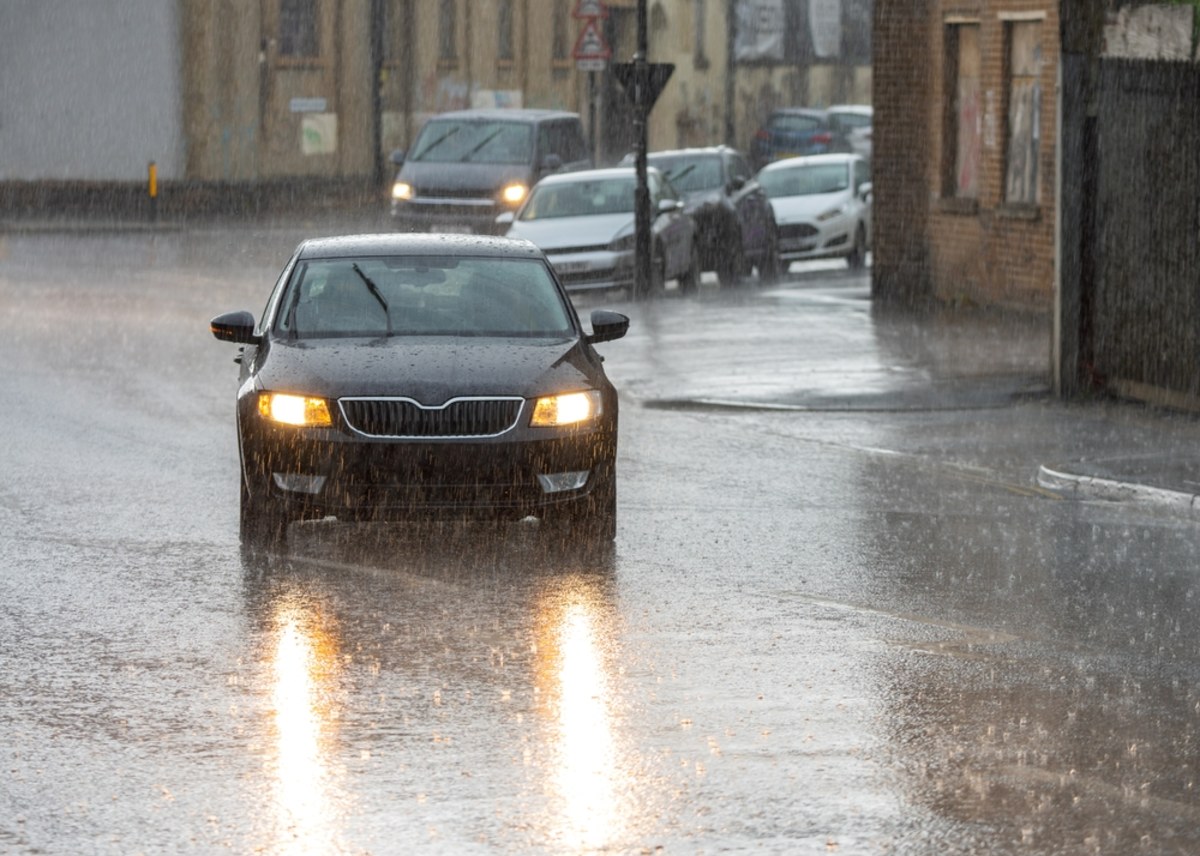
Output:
x=584 y=222
x=822 y=205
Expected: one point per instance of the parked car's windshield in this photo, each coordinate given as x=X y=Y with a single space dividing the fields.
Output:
x=425 y=296
x=690 y=172
x=805 y=180
x=460 y=141
x=581 y=198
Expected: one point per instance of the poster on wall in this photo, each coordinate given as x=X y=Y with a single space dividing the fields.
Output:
x=760 y=29
x=801 y=32
x=318 y=134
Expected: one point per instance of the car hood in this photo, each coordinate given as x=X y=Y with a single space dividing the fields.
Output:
x=792 y=209
x=557 y=232
x=483 y=178
x=429 y=369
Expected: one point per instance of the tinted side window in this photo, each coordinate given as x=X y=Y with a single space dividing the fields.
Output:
x=738 y=168
x=564 y=139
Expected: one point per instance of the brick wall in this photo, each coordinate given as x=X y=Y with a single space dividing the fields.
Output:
x=982 y=251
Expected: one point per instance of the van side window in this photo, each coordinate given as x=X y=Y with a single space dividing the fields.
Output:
x=564 y=139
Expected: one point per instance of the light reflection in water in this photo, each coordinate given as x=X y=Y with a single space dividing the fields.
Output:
x=304 y=669
x=589 y=784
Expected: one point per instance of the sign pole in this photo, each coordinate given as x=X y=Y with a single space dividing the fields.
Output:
x=642 y=194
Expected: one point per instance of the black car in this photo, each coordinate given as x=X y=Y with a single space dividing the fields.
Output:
x=406 y=377
x=795 y=131
x=733 y=217
x=467 y=166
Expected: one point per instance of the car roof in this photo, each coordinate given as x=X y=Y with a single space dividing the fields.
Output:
x=694 y=150
x=800 y=111
x=512 y=114
x=836 y=157
x=593 y=174
x=417 y=244
x=860 y=109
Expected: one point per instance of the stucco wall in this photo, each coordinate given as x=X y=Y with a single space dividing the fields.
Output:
x=89 y=90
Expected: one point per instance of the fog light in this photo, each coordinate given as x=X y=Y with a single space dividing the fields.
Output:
x=299 y=482
x=558 y=482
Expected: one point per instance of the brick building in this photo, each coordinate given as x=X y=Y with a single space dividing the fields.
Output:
x=965 y=150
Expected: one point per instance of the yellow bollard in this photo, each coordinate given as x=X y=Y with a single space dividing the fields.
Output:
x=152 y=189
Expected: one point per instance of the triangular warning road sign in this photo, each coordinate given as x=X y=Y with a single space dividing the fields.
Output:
x=591 y=44
x=590 y=9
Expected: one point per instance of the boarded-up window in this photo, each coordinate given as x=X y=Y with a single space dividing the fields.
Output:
x=504 y=35
x=448 y=30
x=298 y=34
x=1024 y=111
x=964 y=125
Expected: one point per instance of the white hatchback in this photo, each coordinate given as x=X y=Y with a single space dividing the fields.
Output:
x=822 y=206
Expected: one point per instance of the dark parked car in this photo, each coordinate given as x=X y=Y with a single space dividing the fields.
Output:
x=401 y=377
x=467 y=166
x=795 y=131
x=733 y=216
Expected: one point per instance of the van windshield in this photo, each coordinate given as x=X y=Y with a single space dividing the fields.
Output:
x=459 y=141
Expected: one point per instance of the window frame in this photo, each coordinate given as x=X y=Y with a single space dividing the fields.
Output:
x=954 y=159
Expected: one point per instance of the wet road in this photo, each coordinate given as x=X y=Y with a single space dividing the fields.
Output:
x=840 y=615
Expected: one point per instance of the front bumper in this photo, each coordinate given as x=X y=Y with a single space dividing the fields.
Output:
x=593 y=268
x=447 y=214
x=319 y=472
x=810 y=240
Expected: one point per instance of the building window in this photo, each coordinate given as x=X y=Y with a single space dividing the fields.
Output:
x=447 y=31
x=298 y=32
x=1023 y=131
x=964 y=113
x=699 y=17
x=397 y=21
x=559 y=35
x=504 y=25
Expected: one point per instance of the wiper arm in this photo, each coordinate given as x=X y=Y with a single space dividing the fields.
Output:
x=675 y=176
x=435 y=144
x=475 y=149
x=374 y=289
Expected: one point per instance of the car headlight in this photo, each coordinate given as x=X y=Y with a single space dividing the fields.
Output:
x=623 y=242
x=514 y=194
x=402 y=190
x=569 y=408
x=294 y=409
x=832 y=212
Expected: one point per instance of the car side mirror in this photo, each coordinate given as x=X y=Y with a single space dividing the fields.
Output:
x=668 y=206
x=607 y=325
x=864 y=190
x=552 y=163
x=397 y=156
x=235 y=327
x=505 y=218
x=736 y=183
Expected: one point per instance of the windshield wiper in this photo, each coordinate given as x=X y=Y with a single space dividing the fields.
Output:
x=374 y=289
x=475 y=149
x=421 y=154
x=675 y=176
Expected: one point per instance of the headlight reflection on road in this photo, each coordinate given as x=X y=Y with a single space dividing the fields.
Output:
x=307 y=801
x=590 y=784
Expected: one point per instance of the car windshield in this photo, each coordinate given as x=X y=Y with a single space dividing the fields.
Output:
x=584 y=198
x=462 y=141
x=690 y=172
x=805 y=180
x=422 y=296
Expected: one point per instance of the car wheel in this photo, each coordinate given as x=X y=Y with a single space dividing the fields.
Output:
x=729 y=267
x=858 y=253
x=770 y=267
x=690 y=280
x=263 y=519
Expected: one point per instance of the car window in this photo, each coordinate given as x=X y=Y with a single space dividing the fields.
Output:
x=792 y=124
x=853 y=120
x=582 y=198
x=739 y=168
x=564 y=139
x=461 y=141
x=805 y=180
x=690 y=172
x=422 y=295
x=862 y=173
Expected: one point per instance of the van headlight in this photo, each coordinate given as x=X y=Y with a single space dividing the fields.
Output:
x=514 y=194
x=402 y=191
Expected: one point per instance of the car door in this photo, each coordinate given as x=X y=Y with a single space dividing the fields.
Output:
x=754 y=212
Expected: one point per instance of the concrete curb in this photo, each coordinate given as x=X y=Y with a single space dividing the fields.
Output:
x=1079 y=486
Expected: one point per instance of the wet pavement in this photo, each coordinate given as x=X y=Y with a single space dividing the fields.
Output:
x=842 y=613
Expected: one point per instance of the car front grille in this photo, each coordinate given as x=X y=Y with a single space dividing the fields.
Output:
x=797 y=230
x=406 y=418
